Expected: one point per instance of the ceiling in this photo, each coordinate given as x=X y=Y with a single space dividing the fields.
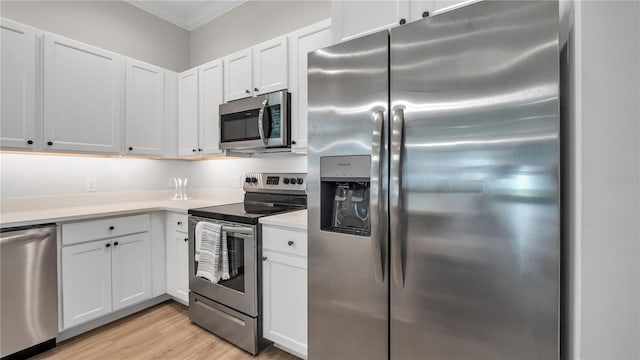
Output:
x=187 y=14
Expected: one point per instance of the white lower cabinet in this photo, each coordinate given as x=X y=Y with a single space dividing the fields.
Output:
x=284 y=281
x=100 y=276
x=178 y=257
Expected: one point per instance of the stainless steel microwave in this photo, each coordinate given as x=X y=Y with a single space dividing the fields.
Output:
x=256 y=124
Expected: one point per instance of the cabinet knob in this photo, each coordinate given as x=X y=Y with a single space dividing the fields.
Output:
x=264 y=258
x=199 y=150
x=130 y=148
x=49 y=143
x=186 y=239
x=425 y=14
x=194 y=150
x=111 y=227
x=107 y=245
x=30 y=142
x=290 y=242
x=403 y=21
x=293 y=142
x=180 y=223
x=115 y=243
x=255 y=89
x=247 y=91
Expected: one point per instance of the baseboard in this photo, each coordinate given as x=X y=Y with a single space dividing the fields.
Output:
x=82 y=328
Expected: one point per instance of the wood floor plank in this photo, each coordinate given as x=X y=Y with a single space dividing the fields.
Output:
x=161 y=332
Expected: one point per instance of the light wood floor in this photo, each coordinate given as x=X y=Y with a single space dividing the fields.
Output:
x=161 y=332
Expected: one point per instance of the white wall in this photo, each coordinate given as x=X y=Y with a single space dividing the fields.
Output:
x=45 y=175
x=111 y=25
x=608 y=258
x=252 y=23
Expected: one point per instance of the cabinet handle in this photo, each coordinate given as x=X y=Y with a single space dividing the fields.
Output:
x=130 y=148
x=293 y=142
x=247 y=91
x=290 y=242
x=115 y=243
x=264 y=258
x=194 y=150
x=179 y=223
x=425 y=14
x=111 y=228
x=30 y=142
x=199 y=150
x=49 y=143
x=107 y=245
x=403 y=21
x=186 y=239
x=255 y=89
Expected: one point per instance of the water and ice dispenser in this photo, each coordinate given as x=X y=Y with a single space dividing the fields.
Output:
x=344 y=194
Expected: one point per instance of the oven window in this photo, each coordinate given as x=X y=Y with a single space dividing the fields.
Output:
x=240 y=126
x=235 y=249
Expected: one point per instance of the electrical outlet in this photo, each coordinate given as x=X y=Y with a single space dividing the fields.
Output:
x=91 y=184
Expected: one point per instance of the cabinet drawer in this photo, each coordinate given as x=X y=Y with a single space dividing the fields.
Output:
x=180 y=221
x=292 y=242
x=104 y=228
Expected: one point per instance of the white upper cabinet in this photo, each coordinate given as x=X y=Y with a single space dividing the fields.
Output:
x=83 y=97
x=145 y=109
x=238 y=79
x=302 y=42
x=270 y=68
x=211 y=96
x=188 y=113
x=19 y=124
x=352 y=19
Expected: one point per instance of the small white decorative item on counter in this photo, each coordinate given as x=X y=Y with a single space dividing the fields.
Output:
x=179 y=188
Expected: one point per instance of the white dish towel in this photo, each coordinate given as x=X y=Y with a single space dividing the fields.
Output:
x=211 y=252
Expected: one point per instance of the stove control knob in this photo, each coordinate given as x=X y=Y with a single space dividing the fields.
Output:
x=254 y=180
x=300 y=181
x=292 y=181
x=286 y=180
x=247 y=179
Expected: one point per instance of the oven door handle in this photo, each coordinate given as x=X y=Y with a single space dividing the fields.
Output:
x=261 y=121
x=237 y=230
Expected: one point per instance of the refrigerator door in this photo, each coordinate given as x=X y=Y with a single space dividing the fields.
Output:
x=348 y=126
x=474 y=184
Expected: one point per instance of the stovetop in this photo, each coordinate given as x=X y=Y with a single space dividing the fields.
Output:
x=265 y=194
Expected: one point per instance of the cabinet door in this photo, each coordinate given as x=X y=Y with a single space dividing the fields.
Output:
x=352 y=19
x=188 y=113
x=238 y=79
x=285 y=300
x=211 y=89
x=86 y=282
x=302 y=42
x=441 y=6
x=145 y=115
x=83 y=97
x=181 y=259
x=131 y=269
x=18 y=121
x=270 y=66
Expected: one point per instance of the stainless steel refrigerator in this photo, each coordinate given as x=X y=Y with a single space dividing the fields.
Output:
x=434 y=188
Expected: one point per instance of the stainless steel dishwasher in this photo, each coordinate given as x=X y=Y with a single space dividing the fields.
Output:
x=28 y=290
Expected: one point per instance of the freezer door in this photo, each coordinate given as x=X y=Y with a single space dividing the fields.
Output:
x=348 y=286
x=474 y=184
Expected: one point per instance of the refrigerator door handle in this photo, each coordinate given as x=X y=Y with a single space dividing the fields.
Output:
x=395 y=190
x=375 y=194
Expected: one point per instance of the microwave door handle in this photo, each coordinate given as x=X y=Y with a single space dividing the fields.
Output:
x=261 y=121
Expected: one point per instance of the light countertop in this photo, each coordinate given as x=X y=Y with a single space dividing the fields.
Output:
x=294 y=220
x=57 y=209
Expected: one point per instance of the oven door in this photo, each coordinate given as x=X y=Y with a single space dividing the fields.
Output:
x=256 y=123
x=239 y=292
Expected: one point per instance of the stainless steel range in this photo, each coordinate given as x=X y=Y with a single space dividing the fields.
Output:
x=232 y=308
